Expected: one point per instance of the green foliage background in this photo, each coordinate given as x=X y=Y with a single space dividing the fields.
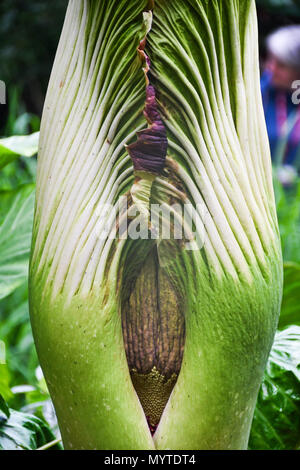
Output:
x=28 y=39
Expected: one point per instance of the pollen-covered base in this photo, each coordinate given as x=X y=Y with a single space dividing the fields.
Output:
x=154 y=391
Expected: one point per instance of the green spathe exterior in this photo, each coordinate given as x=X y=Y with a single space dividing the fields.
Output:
x=204 y=62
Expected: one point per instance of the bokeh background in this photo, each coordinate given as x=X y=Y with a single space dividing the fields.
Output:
x=29 y=33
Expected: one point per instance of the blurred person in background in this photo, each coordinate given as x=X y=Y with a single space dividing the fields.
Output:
x=280 y=84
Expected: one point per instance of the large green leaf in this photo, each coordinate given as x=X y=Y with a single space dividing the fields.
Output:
x=276 y=423
x=23 y=431
x=15 y=331
x=290 y=309
x=16 y=215
x=12 y=147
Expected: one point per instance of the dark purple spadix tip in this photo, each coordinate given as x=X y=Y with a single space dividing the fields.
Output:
x=149 y=152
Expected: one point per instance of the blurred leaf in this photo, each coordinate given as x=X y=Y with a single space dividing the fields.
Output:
x=24 y=431
x=16 y=219
x=13 y=147
x=26 y=122
x=4 y=382
x=15 y=330
x=12 y=108
x=23 y=389
x=6 y=156
x=285 y=352
x=2 y=353
x=276 y=422
x=290 y=308
x=4 y=411
x=34 y=395
x=288 y=211
x=45 y=410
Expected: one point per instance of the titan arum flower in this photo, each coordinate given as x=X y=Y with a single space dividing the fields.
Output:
x=153 y=121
